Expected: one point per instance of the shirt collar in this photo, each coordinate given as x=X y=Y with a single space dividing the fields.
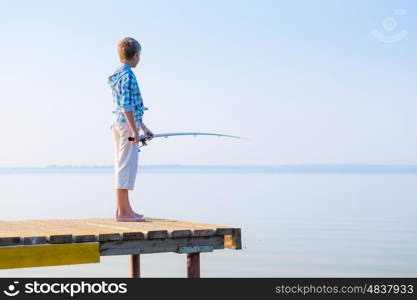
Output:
x=126 y=66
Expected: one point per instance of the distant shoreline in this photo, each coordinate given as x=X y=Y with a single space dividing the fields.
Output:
x=173 y=168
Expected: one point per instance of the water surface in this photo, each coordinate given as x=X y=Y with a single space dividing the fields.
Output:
x=293 y=224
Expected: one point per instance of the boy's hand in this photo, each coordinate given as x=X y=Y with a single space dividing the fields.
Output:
x=135 y=138
x=146 y=131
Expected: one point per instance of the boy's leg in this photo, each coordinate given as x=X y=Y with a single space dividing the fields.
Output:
x=126 y=159
x=123 y=205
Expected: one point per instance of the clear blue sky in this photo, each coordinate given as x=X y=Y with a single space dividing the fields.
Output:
x=306 y=81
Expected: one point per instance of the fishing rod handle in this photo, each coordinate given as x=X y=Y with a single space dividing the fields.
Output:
x=131 y=139
x=143 y=140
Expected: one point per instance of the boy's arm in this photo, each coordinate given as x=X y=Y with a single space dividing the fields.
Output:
x=130 y=120
x=126 y=103
x=146 y=131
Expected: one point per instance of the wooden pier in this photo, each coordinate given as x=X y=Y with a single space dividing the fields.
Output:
x=36 y=243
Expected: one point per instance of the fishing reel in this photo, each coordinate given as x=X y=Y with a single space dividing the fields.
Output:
x=142 y=139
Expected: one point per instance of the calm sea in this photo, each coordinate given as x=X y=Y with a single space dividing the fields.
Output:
x=294 y=223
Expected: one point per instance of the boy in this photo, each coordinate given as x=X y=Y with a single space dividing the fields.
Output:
x=127 y=121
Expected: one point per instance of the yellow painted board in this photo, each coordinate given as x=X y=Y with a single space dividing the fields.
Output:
x=48 y=255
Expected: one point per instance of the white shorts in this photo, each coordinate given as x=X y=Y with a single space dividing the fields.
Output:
x=126 y=156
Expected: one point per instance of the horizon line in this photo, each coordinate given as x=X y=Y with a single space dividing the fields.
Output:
x=248 y=169
x=219 y=165
x=214 y=165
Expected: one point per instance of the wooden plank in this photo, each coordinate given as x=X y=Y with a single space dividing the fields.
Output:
x=14 y=240
x=52 y=234
x=157 y=234
x=158 y=246
x=85 y=238
x=204 y=232
x=125 y=232
x=107 y=223
x=103 y=229
x=194 y=249
x=197 y=229
x=155 y=224
x=18 y=229
x=181 y=234
x=80 y=232
x=49 y=229
x=60 y=239
x=233 y=241
x=187 y=223
x=34 y=240
x=103 y=237
x=48 y=255
x=224 y=231
x=133 y=236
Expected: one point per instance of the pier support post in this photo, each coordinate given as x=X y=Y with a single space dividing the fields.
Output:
x=193 y=265
x=134 y=266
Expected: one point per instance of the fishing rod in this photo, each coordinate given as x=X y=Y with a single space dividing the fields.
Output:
x=143 y=138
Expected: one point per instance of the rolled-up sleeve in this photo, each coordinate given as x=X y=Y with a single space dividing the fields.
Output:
x=126 y=94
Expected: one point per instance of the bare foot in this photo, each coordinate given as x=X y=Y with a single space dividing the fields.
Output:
x=141 y=218
x=136 y=214
x=129 y=218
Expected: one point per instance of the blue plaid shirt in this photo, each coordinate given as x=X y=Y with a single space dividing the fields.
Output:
x=126 y=94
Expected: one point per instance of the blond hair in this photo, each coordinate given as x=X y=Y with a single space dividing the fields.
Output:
x=127 y=48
